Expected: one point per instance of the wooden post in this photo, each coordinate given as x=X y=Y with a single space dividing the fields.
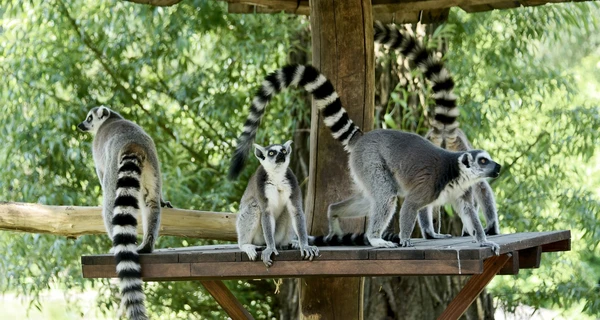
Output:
x=342 y=38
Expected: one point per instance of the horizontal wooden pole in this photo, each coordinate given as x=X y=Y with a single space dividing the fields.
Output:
x=71 y=221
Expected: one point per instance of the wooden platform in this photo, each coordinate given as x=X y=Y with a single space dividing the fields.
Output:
x=456 y=256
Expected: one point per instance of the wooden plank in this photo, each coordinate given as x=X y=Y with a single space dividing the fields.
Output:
x=530 y=258
x=473 y=288
x=72 y=221
x=511 y=267
x=292 y=269
x=226 y=300
x=437 y=15
x=333 y=268
x=561 y=245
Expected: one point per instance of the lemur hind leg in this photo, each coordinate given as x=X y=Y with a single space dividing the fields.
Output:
x=356 y=206
x=485 y=198
x=426 y=223
x=248 y=221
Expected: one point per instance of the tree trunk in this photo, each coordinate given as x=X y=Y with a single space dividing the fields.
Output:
x=342 y=41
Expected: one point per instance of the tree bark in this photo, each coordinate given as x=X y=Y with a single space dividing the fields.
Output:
x=342 y=41
x=71 y=221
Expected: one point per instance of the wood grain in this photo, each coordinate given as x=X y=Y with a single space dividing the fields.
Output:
x=473 y=288
x=72 y=221
x=226 y=300
x=342 y=41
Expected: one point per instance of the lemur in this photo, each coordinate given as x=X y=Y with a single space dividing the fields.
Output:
x=127 y=166
x=272 y=201
x=384 y=164
x=445 y=133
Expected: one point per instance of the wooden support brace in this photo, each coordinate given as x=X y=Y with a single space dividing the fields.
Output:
x=474 y=286
x=226 y=300
x=512 y=266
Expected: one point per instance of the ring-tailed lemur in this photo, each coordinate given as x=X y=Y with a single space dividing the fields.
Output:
x=445 y=133
x=384 y=164
x=272 y=201
x=127 y=166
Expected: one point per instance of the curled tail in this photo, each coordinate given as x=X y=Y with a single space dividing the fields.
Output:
x=446 y=112
x=124 y=223
x=326 y=98
x=350 y=239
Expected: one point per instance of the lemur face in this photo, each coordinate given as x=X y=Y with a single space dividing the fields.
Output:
x=274 y=156
x=94 y=119
x=478 y=164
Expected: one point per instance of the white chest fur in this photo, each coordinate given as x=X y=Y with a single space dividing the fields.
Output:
x=453 y=190
x=278 y=195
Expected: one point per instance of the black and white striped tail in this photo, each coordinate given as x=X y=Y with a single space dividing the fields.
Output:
x=350 y=239
x=446 y=112
x=125 y=237
x=327 y=100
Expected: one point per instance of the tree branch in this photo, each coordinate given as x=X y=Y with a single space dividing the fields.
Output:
x=88 y=43
x=70 y=221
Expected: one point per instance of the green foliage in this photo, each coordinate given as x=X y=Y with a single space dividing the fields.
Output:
x=527 y=80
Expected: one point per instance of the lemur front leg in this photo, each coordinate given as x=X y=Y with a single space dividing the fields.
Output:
x=268 y=228
x=299 y=223
x=426 y=224
x=466 y=210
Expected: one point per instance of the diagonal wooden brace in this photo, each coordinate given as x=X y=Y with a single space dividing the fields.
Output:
x=473 y=288
x=226 y=300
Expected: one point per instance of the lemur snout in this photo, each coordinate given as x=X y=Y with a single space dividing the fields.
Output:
x=496 y=171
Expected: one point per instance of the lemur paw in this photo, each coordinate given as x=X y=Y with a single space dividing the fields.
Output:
x=145 y=248
x=295 y=244
x=437 y=236
x=309 y=252
x=250 y=250
x=406 y=243
x=494 y=246
x=266 y=256
x=165 y=204
x=380 y=243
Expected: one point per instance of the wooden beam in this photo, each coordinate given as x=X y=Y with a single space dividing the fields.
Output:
x=511 y=267
x=562 y=245
x=226 y=300
x=343 y=49
x=473 y=288
x=530 y=258
x=72 y=221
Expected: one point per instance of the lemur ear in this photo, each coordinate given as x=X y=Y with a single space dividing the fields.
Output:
x=259 y=152
x=104 y=112
x=288 y=146
x=466 y=160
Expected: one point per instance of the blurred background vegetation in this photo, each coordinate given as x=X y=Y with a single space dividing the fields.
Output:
x=528 y=83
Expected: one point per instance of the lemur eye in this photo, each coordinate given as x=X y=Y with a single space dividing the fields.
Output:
x=271 y=153
x=483 y=161
x=89 y=119
x=283 y=151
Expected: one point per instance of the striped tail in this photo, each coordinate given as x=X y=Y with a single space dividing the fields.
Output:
x=125 y=237
x=446 y=112
x=326 y=98
x=350 y=239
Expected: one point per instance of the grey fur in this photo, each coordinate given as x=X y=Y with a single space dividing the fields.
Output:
x=128 y=169
x=445 y=134
x=386 y=164
x=272 y=201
